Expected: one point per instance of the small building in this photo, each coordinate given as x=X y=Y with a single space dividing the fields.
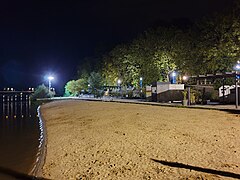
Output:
x=164 y=92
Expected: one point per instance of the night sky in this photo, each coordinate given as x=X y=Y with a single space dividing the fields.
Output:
x=53 y=37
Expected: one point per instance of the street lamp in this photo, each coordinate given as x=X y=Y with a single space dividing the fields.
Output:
x=184 y=78
x=141 y=80
x=173 y=79
x=237 y=68
x=119 y=85
x=119 y=82
x=141 y=85
x=174 y=74
x=50 y=78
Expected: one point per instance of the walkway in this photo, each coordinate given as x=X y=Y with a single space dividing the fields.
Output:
x=229 y=108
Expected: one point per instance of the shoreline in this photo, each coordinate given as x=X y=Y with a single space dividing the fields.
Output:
x=66 y=160
x=41 y=155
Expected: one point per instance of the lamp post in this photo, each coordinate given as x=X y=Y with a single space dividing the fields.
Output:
x=173 y=79
x=141 y=80
x=119 y=82
x=119 y=85
x=237 y=68
x=141 y=85
x=50 y=78
x=185 y=78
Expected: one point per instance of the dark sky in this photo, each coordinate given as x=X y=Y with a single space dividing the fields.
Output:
x=42 y=37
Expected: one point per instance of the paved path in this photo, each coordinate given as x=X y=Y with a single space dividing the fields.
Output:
x=230 y=108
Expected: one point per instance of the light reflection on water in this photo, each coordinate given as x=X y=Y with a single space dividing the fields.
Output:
x=19 y=134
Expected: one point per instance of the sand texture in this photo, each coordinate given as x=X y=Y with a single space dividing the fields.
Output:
x=106 y=140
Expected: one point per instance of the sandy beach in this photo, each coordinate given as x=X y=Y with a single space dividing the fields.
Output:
x=106 y=140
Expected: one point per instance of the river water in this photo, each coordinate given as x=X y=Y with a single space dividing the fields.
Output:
x=19 y=139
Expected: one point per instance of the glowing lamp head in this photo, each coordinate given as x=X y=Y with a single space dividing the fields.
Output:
x=238 y=67
x=174 y=74
x=119 y=81
x=184 y=78
x=50 y=78
x=141 y=78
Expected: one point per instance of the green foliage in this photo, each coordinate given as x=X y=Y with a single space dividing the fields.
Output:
x=210 y=45
x=150 y=56
x=71 y=87
x=41 y=92
x=66 y=93
x=95 y=81
x=74 y=87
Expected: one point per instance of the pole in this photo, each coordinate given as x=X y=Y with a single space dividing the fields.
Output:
x=236 y=87
x=140 y=87
x=223 y=91
x=49 y=85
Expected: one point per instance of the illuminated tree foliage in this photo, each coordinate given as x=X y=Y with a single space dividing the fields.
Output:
x=150 y=56
x=74 y=87
x=96 y=83
x=210 y=45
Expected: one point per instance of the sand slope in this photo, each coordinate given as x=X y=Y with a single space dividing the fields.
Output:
x=105 y=140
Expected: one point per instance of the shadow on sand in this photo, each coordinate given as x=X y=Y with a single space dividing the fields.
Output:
x=231 y=111
x=17 y=175
x=200 y=169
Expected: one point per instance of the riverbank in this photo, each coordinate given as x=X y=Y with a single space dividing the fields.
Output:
x=128 y=141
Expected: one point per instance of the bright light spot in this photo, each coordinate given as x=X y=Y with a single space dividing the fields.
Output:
x=174 y=74
x=185 y=78
x=119 y=81
x=50 y=77
x=141 y=78
x=238 y=66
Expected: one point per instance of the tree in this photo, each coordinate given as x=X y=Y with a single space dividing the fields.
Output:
x=218 y=44
x=81 y=85
x=41 y=92
x=71 y=87
x=74 y=87
x=95 y=81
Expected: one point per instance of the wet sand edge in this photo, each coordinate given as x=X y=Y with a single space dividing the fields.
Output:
x=37 y=171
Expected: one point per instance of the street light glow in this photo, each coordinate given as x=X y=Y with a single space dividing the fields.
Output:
x=174 y=74
x=141 y=78
x=50 y=78
x=119 y=81
x=185 y=78
x=238 y=66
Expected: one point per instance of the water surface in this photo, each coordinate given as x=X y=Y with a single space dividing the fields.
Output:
x=19 y=138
